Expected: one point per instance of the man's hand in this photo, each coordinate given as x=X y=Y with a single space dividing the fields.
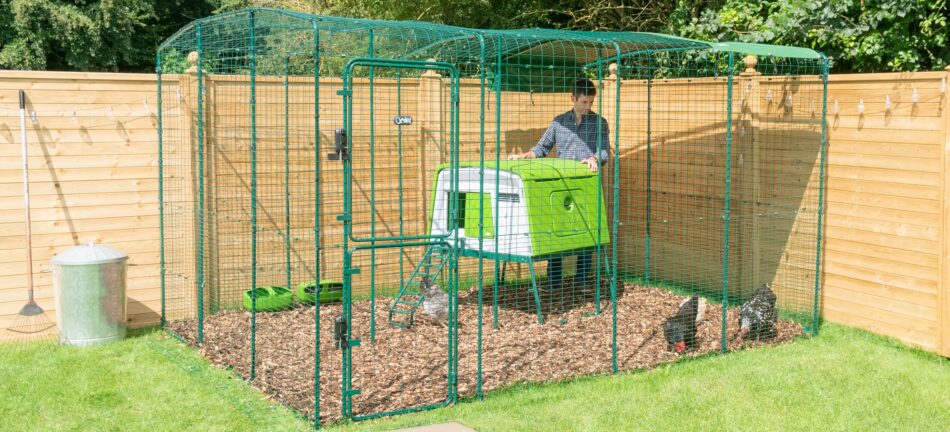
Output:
x=526 y=155
x=592 y=163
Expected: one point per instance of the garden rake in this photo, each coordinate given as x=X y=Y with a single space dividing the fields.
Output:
x=31 y=323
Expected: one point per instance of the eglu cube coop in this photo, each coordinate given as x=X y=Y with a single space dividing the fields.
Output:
x=371 y=156
x=546 y=208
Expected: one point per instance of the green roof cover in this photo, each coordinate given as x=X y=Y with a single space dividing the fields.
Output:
x=421 y=40
x=766 y=50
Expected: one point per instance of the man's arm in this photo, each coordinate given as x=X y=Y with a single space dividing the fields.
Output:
x=603 y=155
x=541 y=149
x=546 y=143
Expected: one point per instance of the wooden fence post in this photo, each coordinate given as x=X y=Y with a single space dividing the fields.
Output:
x=748 y=141
x=608 y=94
x=943 y=286
x=183 y=174
x=432 y=146
x=191 y=177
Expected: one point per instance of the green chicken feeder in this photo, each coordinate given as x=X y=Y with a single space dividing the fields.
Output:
x=269 y=298
x=330 y=291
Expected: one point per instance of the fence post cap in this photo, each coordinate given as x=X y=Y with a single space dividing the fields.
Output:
x=193 y=60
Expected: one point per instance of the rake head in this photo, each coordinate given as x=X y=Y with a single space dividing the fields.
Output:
x=30 y=324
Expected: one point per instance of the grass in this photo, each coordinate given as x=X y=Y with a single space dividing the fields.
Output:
x=845 y=379
x=144 y=383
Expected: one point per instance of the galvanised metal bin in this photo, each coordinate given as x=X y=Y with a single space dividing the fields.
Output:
x=90 y=294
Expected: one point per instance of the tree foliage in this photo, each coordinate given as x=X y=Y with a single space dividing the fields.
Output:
x=858 y=35
x=884 y=35
x=103 y=35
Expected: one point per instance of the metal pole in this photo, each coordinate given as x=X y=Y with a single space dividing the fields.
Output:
x=316 y=225
x=726 y=217
x=161 y=184
x=481 y=214
x=287 y=170
x=201 y=193
x=372 y=198
x=253 y=198
x=821 y=191
x=646 y=274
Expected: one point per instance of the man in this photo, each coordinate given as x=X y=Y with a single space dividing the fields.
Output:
x=578 y=134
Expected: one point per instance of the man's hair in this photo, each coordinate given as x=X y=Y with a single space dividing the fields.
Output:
x=584 y=87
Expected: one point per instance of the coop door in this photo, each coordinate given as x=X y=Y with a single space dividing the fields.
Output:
x=567 y=213
x=400 y=127
x=399 y=130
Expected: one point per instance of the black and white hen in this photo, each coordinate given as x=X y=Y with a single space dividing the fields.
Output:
x=758 y=315
x=680 y=329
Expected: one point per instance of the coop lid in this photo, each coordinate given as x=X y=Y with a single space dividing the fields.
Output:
x=89 y=253
x=535 y=169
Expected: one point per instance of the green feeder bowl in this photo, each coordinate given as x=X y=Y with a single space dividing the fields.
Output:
x=269 y=298
x=330 y=291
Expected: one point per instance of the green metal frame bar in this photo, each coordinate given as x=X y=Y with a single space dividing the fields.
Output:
x=481 y=215
x=726 y=211
x=821 y=190
x=615 y=228
x=534 y=288
x=316 y=227
x=287 y=168
x=700 y=47
x=346 y=383
x=497 y=186
x=372 y=193
x=453 y=257
x=161 y=186
x=402 y=279
x=471 y=253
x=402 y=411
x=646 y=268
x=600 y=184
x=200 y=273
x=253 y=199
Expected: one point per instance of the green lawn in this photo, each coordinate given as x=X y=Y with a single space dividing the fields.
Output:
x=148 y=382
x=843 y=380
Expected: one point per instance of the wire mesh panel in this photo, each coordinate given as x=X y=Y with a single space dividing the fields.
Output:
x=399 y=278
x=723 y=200
x=455 y=210
x=241 y=169
x=527 y=222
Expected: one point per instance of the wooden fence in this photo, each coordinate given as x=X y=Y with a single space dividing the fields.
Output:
x=886 y=262
x=93 y=168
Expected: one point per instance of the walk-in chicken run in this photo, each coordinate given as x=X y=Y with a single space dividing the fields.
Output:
x=366 y=218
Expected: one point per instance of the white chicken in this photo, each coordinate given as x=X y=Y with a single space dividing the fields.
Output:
x=435 y=302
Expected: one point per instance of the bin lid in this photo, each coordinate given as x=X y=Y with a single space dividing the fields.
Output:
x=89 y=253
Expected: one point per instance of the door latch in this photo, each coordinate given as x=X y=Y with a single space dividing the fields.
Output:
x=340 y=335
x=340 y=150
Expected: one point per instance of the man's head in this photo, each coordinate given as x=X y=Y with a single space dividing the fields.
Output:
x=583 y=96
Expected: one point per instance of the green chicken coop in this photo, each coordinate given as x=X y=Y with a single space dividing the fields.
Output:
x=529 y=210
x=545 y=208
